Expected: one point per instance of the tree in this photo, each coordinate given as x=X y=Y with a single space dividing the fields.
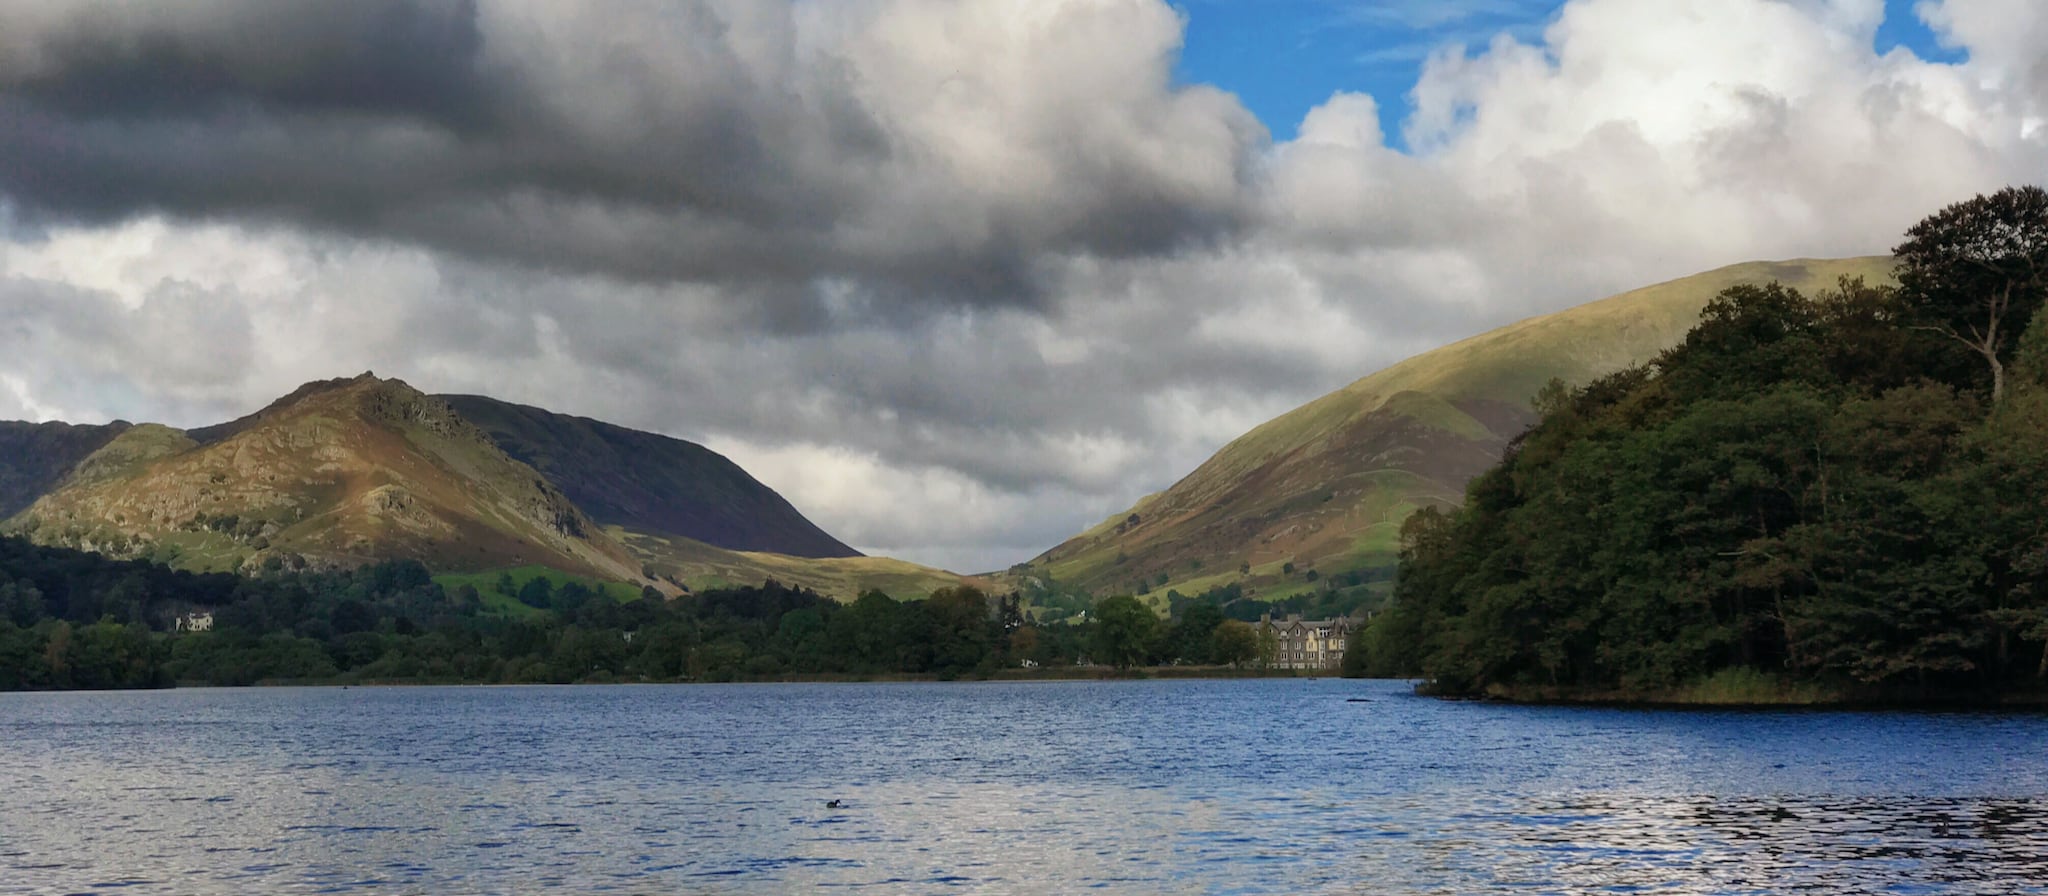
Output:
x=1124 y=628
x=350 y=616
x=1976 y=271
x=962 y=631
x=1357 y=664
x=1234 y=642
x=537 y=593
x=570 y=599
x=1188 y=640
x=1024 y=643
x=1749 y=338
x=21 y=603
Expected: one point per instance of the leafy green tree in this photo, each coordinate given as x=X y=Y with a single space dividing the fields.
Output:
x=572 y=598
x=800 y=635
x=1808 y=488
x=1977 y=270
x=1189 y=639
x=963 y=632
x=350 y=616
x=1124 y=631
x=1356 y=659
x=538 y=593
x=872 y=634
x=21 y=603
x=1750 y=338
x=1990 y=507
x=1233 y=642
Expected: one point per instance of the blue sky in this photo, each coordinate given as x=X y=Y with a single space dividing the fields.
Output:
x=1284 y=57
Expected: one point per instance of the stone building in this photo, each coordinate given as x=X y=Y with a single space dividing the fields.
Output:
x=1309 y=644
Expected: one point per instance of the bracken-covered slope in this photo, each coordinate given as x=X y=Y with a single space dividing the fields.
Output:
x=1326 y=486
x=34 y=457
x=650 y=483
x=339 y=473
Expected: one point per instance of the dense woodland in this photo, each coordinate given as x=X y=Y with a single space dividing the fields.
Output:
x=1843 y=495
x=71 y=619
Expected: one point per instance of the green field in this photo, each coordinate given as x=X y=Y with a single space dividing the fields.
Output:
x=486 y=585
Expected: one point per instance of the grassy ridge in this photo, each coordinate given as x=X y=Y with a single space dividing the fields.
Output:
x=1326 y=486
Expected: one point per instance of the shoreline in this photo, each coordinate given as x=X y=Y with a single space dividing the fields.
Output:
x=1695 y=698
x=1778 y=696
x=1060 y=673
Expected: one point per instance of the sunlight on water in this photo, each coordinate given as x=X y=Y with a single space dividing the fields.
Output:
x=1146 y=787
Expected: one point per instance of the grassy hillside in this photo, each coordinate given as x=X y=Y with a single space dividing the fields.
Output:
x=649 y=483
x=504 y=603
x=1325 y=487
x=700 y=566
x=340 y=473
x=34 y=457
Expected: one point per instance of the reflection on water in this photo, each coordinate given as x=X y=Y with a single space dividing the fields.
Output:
x=1240 y=787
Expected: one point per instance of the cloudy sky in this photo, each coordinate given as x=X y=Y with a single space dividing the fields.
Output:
x=958 y=277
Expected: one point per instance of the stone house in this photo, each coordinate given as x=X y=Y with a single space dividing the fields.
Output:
x=1309 y=644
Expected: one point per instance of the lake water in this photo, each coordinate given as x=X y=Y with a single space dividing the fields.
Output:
x=1275 y=786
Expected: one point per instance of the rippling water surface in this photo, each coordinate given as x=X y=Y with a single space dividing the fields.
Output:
x=1278 y=786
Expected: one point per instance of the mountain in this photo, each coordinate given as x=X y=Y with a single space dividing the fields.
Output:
x=349 y=471
x=341 y=472
x=34 y=457
x=649 y=483
x=1324 y=488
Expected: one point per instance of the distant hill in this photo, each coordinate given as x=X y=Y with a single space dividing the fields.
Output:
x=340 y=473
x=351 y=471
x=34 y=457
x=650 y=483
x=1325 y=487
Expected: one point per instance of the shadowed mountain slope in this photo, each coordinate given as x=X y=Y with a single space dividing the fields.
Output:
x=649 y=483
x=1325 y=487
x=34 y=457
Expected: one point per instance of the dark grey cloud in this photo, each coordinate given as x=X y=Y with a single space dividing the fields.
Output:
x=212 y=58
x=709 y=141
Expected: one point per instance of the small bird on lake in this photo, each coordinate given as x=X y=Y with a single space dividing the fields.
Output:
x=831 y=804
